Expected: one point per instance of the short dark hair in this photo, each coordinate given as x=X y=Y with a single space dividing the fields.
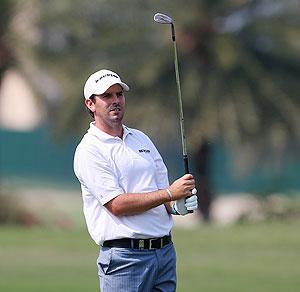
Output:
x=93 y=99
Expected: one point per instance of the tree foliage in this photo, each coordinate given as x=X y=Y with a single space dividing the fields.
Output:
x=6 y=57
x=239 y=65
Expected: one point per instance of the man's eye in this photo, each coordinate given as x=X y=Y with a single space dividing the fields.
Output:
x=120 y=94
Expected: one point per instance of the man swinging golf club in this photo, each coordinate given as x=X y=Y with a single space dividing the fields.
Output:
x=128 y=201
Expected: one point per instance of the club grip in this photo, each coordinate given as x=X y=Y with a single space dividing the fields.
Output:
x=186 y=164
x=186 y=169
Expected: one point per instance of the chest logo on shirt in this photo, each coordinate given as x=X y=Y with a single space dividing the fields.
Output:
x=144 y=150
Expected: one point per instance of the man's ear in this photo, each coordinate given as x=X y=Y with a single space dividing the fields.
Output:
x=90 y=105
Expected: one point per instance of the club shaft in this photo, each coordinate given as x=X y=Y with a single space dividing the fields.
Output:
x=181 y=118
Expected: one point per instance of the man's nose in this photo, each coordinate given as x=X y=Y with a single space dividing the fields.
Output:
x=115 y=98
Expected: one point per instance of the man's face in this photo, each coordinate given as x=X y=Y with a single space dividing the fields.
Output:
x=109 y=107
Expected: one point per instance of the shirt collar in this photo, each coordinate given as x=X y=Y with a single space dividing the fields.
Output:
x=104 y=136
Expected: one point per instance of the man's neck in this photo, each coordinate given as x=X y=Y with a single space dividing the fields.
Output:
x=116 y=131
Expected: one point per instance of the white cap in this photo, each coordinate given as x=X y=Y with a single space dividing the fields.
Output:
x=100 y=81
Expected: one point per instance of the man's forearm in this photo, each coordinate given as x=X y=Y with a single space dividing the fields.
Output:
x=132 y=204
x=168 y=206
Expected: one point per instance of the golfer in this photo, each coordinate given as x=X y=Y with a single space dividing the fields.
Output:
x=128 y=202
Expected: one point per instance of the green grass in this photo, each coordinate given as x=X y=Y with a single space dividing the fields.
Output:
x=241 y=258
x=257 y=257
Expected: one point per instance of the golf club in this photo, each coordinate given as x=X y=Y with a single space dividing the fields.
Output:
x=165 y=19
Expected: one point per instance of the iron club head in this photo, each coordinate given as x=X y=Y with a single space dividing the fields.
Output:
x=165 y=19
x=162 y=18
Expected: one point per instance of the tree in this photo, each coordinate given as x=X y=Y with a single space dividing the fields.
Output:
x=247 y=93
x=239 y=66
x=6 y=57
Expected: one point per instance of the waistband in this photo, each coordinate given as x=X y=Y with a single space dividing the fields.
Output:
x=149 y=243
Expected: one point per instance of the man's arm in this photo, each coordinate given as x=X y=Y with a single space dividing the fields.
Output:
x=132 y=204
x=168 y=206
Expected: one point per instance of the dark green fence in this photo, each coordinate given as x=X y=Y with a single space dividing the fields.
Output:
x=33 y=157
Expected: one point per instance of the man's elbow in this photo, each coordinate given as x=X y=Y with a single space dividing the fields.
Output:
x=115 y=207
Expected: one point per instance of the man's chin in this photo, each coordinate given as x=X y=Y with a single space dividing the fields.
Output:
x=117 y=118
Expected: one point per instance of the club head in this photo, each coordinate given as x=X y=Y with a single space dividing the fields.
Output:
x=162 y=18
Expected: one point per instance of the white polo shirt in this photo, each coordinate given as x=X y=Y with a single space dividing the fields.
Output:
x=108 y=166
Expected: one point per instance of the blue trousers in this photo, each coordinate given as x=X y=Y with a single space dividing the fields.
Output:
x=133 y=270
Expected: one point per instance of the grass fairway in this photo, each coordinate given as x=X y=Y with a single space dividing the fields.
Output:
x=241 y=258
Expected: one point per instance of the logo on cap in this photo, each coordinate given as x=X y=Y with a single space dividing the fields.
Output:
x=106 y=75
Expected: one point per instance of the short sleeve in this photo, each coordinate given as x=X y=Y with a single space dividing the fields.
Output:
x=96 y=174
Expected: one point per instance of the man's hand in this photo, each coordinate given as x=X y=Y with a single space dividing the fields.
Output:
x=182 y=187
x=183 y=206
